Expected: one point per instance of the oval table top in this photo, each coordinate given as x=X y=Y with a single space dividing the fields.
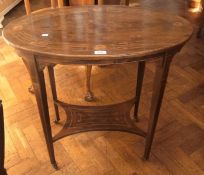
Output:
x=97 y=33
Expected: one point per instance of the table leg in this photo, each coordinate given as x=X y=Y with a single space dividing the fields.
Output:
x=38 y=81
x=66 y=2
x=157 y=96
x=2 y=142
x=54 y=91
x=201 y=25
x=89 y=94
x=140 y=77
x=199 y=33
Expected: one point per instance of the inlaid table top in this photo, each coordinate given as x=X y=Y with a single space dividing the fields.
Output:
x=97 y=34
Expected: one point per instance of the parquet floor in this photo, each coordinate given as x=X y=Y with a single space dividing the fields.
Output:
x=178 y=147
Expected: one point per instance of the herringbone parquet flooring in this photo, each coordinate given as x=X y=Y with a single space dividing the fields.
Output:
x=178 y=147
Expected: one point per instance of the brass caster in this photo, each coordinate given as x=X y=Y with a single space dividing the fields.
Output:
x=56 y=121
x=54 y=165
x=89 y=97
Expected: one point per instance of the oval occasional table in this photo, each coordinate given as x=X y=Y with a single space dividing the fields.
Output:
x=97 y=35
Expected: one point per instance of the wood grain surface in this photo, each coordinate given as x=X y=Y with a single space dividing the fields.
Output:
x=77 y=32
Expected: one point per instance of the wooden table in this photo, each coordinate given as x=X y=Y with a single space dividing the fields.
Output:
x=2 y=142
x=97 y=35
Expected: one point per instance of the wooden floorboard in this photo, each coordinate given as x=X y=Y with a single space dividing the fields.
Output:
x=178 y=148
